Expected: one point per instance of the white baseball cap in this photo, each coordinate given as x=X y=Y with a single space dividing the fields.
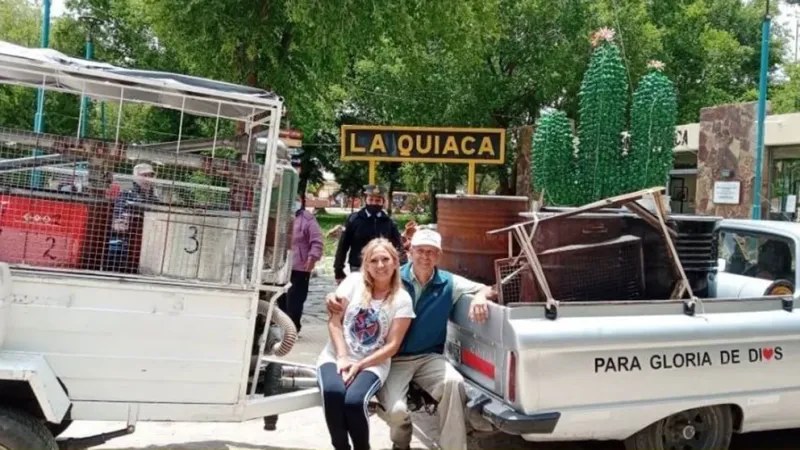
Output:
x=427 y=237
x=142 y=169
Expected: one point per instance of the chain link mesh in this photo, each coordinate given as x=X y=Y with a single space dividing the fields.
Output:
x=82 y=204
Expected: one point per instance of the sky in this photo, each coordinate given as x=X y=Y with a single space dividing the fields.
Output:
x=789 y=16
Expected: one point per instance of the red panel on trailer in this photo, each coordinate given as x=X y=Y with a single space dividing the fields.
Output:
x=42 y=232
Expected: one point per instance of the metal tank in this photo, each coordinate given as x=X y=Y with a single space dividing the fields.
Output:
x=463 y=221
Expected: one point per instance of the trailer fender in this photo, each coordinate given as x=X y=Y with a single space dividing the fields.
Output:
x=33 y=370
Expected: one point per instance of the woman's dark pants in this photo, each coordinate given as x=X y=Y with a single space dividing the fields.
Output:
x=346 y=406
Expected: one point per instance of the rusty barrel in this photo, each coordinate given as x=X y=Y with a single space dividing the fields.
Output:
x=463 y=221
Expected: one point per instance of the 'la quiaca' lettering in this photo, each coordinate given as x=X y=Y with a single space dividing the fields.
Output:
x=408 y=145
x=397 y=144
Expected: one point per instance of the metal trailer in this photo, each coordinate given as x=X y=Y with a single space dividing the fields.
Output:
x=153 y=306
x=558 y=362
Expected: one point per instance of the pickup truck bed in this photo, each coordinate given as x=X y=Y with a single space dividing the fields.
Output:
x=605 y=370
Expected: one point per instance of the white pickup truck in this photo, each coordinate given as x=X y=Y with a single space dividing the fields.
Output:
x=616 y=362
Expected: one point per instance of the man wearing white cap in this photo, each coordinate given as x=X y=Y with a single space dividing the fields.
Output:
x=119 y=242
x=421 y=356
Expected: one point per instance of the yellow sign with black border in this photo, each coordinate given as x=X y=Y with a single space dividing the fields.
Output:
x=423 y=144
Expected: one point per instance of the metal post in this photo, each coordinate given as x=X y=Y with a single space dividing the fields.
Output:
x=372 y=170
x=471 y=178
x=762 y=112
x=38 y=124
x=103 y=120
x=85 y=100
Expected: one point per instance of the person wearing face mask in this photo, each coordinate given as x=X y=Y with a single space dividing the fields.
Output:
x=307 y=245
x=366 y=224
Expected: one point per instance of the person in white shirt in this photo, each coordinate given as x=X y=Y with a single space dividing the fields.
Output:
x=368 y=330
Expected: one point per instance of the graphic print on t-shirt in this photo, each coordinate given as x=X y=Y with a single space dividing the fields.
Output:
x=366 y=329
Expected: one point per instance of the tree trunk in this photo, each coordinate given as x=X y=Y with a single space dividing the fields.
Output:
x=389 y=202
x=302 y=186
x=434 y=210
x=524 y=181
x=503 y=182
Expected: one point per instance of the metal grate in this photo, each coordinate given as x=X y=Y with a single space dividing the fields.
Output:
x=609 y=270
x=519 y=285
x=697 y=251
x=82 y=204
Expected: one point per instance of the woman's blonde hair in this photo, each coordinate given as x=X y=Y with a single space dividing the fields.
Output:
x=366 y=254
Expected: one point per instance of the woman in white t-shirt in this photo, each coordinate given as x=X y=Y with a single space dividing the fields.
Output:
x=355 y=362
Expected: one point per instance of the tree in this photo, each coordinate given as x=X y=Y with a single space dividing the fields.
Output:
x=19 y=24
x=317 y=156
x=711 y=50
x=487 y=63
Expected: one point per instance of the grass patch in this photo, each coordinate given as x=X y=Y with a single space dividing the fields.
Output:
x=328 y=221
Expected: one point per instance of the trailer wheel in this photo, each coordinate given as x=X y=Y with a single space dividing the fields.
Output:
x=707 y=428
x=20 y=431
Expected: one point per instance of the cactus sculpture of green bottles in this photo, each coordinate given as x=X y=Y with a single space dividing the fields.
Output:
x=555 y=167
x=606 y=159
x=603 y=96
x=653 y=116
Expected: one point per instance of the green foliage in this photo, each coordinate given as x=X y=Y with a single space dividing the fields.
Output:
x=553 y=164
x=786 y=97
x=328 y=221
x=653 y=116
x=712 y=49
x=493 y=63
x=319 y=153
x=603 y=100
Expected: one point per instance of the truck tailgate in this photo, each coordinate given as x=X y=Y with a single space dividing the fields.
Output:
x=615 y=354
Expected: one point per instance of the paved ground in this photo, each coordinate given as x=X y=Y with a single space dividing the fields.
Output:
x=307 y=430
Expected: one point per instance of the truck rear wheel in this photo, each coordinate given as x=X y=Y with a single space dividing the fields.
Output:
x=57 y=428
x=20 y=431
x=707 y=428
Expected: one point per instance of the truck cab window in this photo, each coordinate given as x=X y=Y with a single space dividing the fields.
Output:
x=757 y=255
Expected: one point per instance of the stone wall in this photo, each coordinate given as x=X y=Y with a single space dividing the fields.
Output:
x=728 y=143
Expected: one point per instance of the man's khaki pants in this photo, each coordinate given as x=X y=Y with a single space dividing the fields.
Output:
x=433 y=373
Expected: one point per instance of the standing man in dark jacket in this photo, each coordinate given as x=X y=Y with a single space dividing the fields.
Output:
x=362 y=226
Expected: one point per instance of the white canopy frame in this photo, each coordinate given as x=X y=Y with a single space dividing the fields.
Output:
x=53 y=71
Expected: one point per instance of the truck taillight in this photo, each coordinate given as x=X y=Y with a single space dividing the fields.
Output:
x=512 y=377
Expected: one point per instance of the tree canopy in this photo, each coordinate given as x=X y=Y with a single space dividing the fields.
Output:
x=493 y=63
